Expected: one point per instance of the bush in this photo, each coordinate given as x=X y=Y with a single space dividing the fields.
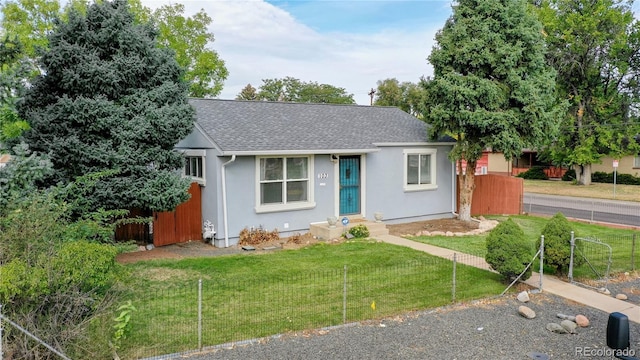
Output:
x=359 y=231
x=535 y=173
x=569 y=175
x=508 y=251
x=557 y=243
x=621 y=179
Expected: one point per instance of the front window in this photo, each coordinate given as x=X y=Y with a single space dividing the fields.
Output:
x=636 y=161
x=284 y=183
x=420 y=169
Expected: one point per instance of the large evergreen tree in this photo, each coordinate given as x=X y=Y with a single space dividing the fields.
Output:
x=492 y=87
x=595 y=47
x=111 y=99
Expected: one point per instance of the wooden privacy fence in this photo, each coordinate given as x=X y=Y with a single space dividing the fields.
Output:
x=169 y=227
x=497 y=194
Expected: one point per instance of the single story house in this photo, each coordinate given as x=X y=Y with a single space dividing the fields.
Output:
x=284 y=166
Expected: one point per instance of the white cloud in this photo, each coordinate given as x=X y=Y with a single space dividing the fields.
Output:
x=260 y=41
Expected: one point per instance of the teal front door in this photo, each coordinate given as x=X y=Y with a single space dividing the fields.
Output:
x=349 y=185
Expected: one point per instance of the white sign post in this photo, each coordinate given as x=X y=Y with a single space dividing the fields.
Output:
x=615 y=170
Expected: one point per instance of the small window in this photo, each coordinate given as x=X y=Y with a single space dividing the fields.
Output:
x=194 y=165
x=420 y=169
x=636 y=161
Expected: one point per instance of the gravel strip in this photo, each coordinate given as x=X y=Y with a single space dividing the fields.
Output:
x=487 y=329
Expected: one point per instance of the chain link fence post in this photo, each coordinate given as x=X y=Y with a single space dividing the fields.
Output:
x=633 y=252
x=541 y=274
x=573 y=245
x=344 y=297
x=453 y=287
x=199 y=314
x=1 y=356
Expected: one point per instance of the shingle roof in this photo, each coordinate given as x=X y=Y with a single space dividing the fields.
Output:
x=260 y=126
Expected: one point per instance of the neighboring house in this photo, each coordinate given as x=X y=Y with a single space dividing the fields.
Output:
x=285 y=166
x=626 y=165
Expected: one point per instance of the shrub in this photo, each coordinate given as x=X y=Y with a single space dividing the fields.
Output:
x=557 y=243
x=535 y=173
x=569 y=175
x=508 y=251
x=359 y=231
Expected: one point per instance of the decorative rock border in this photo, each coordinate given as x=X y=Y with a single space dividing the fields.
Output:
x=483 y=227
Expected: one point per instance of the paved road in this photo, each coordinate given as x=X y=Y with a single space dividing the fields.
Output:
x=599 y=210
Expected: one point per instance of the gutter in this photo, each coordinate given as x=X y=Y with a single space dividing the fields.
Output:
x=224 y=201
x=454 y=188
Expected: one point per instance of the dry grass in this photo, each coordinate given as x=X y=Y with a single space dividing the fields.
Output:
x=595 y=190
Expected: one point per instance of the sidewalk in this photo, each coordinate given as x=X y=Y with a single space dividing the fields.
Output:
x=550 y=284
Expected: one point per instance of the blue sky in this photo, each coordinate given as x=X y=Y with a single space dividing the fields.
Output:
x=364 y=16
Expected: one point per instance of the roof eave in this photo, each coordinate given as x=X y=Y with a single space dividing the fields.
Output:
x=298 y=152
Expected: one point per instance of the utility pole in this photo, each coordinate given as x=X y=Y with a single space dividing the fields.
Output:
x=371 y=93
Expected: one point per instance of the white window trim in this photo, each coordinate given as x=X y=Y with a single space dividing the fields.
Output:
x=197 y=153
x=420 y=187
x=636 y=161
x=298 y=205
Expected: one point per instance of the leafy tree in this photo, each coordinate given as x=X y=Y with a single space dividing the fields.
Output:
x=31 y=20
x=595 y=47
x=508 y=250
x=293 y=90
x=407 y=96
x=248 y=93
x=13 y=70
x=111 y=99
x=492 y=87
x=188 y=37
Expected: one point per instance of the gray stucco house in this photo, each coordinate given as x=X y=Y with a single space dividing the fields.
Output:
x=287 y=165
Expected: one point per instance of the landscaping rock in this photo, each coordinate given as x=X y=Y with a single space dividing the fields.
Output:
x=566 y=317
x=556 y=328
x=150 y=246
x=526 y=312
x=582 y=321
x=604 y=291
x=523 y=297
x=569 y=325
x=621 y=297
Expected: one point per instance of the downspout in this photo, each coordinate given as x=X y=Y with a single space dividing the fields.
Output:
x=454 y=189
x=224 y=201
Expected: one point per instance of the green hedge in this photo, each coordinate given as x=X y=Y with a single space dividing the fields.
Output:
x=623 y=179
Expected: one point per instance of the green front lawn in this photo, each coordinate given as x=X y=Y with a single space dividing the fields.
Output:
x=250 y=296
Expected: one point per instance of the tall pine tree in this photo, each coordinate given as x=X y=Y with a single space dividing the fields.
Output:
x=492 y=87
x=110 y=99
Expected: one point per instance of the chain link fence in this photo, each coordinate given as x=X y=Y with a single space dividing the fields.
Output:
x=206 y=313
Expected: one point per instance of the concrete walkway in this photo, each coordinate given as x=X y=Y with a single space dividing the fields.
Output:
x=550 y=284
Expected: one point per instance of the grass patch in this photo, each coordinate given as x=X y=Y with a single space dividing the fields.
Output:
x=620 y=240
x=251 y=296
x=595 y=190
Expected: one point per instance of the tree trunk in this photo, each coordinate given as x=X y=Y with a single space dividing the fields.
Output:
x=466 y=179
x=583 y=174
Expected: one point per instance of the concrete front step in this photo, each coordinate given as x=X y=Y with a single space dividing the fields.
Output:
x=324 y=232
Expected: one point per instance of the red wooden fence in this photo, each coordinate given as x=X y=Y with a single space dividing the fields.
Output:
x=496 y=195
x=183 y=224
